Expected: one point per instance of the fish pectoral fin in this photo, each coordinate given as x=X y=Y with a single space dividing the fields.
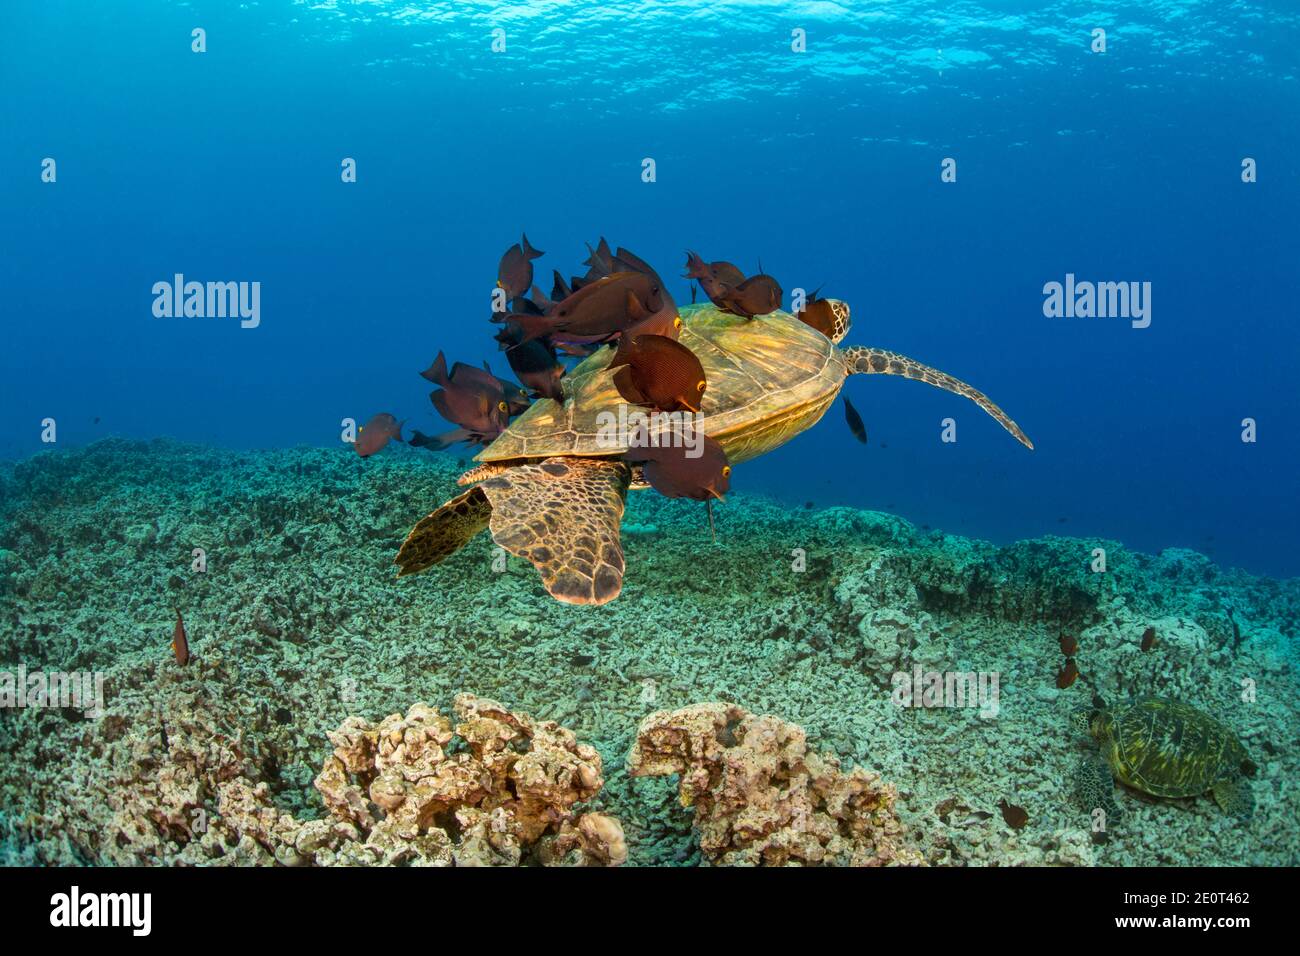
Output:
x=622 y=379
x=444 y=532
x=563 y=515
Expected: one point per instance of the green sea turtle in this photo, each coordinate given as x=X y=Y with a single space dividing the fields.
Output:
x=551 y=487
x=1164 y=748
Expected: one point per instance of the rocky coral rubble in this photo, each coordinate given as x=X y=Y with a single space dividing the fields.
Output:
x=511 y=796
x=761 y=797
x=181 y=785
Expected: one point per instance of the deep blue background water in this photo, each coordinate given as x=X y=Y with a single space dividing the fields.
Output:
x=1120 y=166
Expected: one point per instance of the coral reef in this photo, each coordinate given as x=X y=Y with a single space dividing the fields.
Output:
x=761 y=797
x=514 y=790
x=298 y=623
x=176 y=785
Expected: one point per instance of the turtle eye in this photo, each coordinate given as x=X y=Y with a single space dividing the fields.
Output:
x=503 y=406
x=699 y=386
x=726 y=471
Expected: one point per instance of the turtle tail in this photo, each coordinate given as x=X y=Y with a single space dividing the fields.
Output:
x=868 y=361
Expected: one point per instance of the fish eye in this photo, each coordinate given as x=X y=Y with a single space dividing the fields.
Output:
x=726 y=471
x=699 y=386
x=677 y=322
x=503 y=406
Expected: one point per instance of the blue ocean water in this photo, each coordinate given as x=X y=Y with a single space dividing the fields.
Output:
x=825 y=164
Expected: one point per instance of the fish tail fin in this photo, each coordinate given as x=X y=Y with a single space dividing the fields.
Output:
x=440 y=441
x=529 y=327
x=437 y=372
x=529 y=251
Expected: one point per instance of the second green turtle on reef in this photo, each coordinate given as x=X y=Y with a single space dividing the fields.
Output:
x=1164 y=748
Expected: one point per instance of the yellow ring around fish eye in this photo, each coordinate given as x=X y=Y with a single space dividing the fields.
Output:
x=726 y=471
x=700 y=385
x=503 y=406
x=677 y=322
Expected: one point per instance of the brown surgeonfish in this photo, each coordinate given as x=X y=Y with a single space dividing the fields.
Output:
x=594 y=313
x=658 y=371
x=377 y=433
x=180 y=641
x=537 y=367
x=1067 y=675
x=757 y=295
x=515 y=271
x=1069 y=645
x=516 y=395
x=468 y=397
x=673 y=473
x=855 y=421
x=1013 y=816
x=819 y=314
x=715 y=278
x=1149 y=639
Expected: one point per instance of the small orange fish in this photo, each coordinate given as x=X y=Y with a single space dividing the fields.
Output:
x=1069 y=645
x=1014 y=817
x=1149 y=639
x=1068 y=674
x=180 y=641
x=376 y=433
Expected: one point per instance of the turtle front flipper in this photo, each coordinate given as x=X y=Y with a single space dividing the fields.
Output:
x=563 y=515
x=1094 y=786
x=444 y=532
x=1235 y=797
x=868 y=361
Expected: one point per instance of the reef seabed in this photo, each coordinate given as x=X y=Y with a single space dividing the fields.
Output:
x=305 y=644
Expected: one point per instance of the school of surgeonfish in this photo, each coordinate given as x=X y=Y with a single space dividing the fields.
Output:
x=619 y=302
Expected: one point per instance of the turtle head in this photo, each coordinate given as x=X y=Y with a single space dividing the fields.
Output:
x=840 y=310
x=1082 y=719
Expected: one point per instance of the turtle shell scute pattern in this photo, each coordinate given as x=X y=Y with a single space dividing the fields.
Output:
x=1169 y=749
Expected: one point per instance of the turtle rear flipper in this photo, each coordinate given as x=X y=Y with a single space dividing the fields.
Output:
x=1094 y=786
x=563 y=515
x=444 y=532
x=1235 y=797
